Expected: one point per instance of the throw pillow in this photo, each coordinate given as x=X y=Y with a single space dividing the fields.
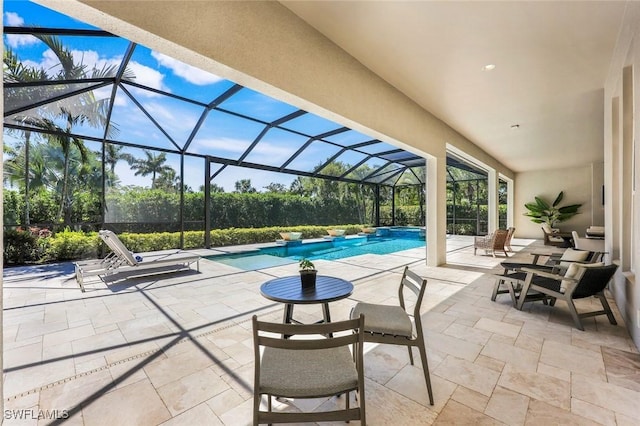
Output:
x=575 y=271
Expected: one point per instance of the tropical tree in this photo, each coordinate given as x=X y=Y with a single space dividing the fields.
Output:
x=113 y=154
x=215 y=188
x=59 y=118
x=243 y=186
x=276 y=188
x=153 y=164
x=168 y=180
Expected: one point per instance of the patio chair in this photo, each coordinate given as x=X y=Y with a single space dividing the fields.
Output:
x=391 y=324
x=513 y=276
x=550 y=239
x=580 y=281
x=122 y=260
x=507 y=242
x=590 y=244
x=309 y=367
x=492 y=243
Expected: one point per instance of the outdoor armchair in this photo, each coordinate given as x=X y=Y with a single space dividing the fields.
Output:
x=492 y=243
x=507 y=243
x=591 y=244
x=513 y=276
x=552 y=237
x=580 y=281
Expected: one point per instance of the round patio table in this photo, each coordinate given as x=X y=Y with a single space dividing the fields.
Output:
x=288 y=290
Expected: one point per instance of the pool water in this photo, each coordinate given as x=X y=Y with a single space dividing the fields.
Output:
x=339 y=248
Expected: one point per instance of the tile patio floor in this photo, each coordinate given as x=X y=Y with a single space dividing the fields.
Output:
x=177 y=349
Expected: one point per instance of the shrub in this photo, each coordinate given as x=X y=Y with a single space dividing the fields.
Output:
x=71 y=245
x=20 y=247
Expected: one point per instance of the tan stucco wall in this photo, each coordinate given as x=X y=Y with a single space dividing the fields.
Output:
x=577 y=186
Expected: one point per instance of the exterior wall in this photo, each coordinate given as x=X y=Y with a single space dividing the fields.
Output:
x=577 y=186
x=621 y=180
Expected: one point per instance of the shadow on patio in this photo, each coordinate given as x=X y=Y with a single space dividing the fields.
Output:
x=177 y=349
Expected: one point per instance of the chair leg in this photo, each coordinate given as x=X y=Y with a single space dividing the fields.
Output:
x=606 y=307
x=496 y=287
x=425 y=368
x=410 y=355
x=574 y=313
x=257 y=398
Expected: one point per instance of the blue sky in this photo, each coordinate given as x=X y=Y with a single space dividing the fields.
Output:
x=221 y=134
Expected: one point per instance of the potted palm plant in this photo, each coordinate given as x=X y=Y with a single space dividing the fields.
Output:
x=541 y=211
x=308 y=273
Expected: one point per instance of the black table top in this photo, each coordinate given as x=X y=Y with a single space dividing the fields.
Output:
x=289 y=290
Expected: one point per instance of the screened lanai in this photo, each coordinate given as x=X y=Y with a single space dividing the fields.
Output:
x=88 y=113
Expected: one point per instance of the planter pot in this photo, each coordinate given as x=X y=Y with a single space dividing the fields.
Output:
x=308 y=278
x=291 y=236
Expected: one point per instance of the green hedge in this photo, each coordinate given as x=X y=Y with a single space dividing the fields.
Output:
x=23 y=247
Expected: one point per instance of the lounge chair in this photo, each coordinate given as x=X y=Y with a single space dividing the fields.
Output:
x=122 y=260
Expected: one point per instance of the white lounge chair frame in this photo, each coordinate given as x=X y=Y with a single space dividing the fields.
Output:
x=122 y=260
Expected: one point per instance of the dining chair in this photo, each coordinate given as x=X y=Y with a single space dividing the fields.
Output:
x=309 y=367
x=391 y=324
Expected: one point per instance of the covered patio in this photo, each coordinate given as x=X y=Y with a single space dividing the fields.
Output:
x=181 y=347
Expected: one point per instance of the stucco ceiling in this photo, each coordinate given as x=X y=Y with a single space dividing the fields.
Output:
x=551 y=60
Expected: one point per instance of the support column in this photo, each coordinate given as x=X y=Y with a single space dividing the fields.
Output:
x=492 y=201
x=393 y=206
x=436 y=211
x=207 y=203
x=510 y=203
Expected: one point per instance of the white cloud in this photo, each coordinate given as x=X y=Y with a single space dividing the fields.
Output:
x=16 y=40
x=191 y=74
x=144 y=75
x=148 y=77
x=216 y=145
x=173 y=119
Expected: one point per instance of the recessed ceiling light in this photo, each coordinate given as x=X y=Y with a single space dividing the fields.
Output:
x=489 y=67
x=515 y=126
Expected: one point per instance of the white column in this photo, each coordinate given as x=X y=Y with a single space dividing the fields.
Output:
x=436 y=210
x=492 y=200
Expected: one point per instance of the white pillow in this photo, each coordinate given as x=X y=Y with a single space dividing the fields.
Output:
x=575 y=271
x=546 y=228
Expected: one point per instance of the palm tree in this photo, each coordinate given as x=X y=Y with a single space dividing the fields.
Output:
x=153 y=165
x=113 y=154
x=80 y=109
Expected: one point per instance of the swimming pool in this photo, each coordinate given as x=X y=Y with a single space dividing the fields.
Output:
x=338 y=248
